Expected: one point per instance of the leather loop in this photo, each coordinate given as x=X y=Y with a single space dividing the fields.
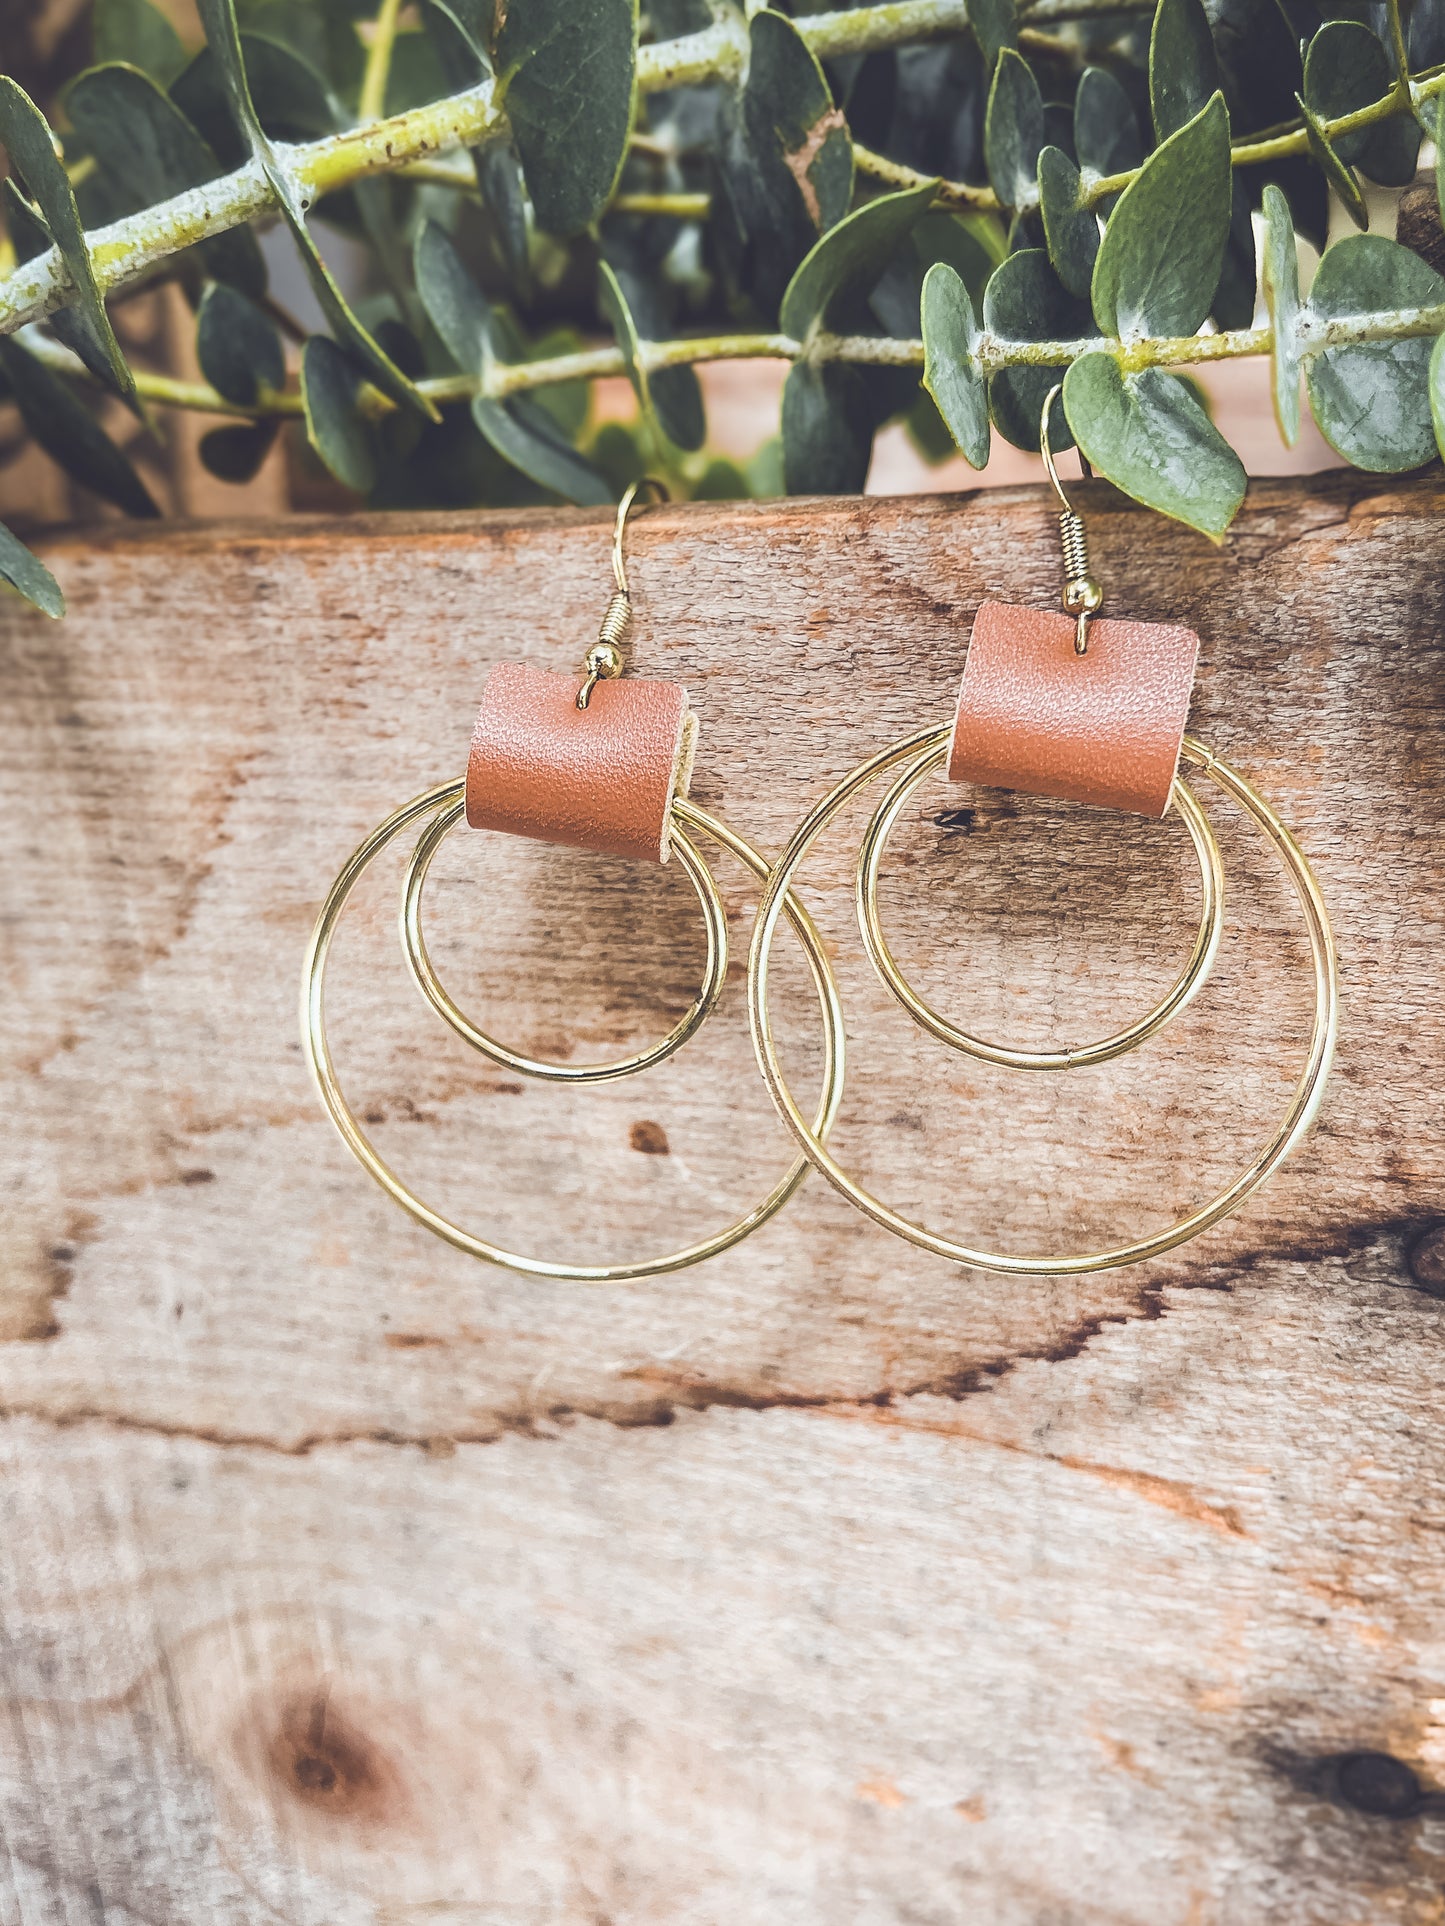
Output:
x=600 y=778
x=1102 y=728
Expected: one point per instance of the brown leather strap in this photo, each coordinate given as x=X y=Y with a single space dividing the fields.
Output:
x=1102 y=728
x=598 y=778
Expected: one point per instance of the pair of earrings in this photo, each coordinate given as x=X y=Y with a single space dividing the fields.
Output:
x=1062 y=705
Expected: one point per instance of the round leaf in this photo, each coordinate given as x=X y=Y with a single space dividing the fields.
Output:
x=828 y=423
x=1281 y=294
x=335 y=427
x=1013 y=131
x=670 y=399
x=1372 y=398
x=795 y=131
x=1026 y=301
x=1148 y=435
x=569 y=68
x=1160 y=257
x=995 y=25
x=1070 y=227
x=1347 y=68
x=136 y=31
x=1183 y=66
x=235 y=453
x=950 y=371
x=846 y=262
x=1106 y=133
x=1437 y=392
x=238 y=348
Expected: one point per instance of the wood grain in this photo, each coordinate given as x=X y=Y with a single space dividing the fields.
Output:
x=350 y=1581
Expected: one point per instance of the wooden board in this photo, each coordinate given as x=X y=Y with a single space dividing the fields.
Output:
x=348 y=1581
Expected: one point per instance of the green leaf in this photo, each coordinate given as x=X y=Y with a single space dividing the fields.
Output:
x=1148 y=435
x=1070 y=227
x=995 y=25
x=1340 y=177
x=335 y=426
x=520 y=429
x=290 y=98
x=1440 y=155
x=136 y=31
x=28 y=575
x=451 y=298
x=25 y=135
x=1013 y=131
x=148 y=151
x=235 y=453
x=1437 y=392
x=950 y=368
x=1106 y=132
x=1026 y=301
x=223 y=45
x=1161 y=254
x=499 y=178
x=794 y=130
x=69 y=433
x=673 y=406
x=30 y=236
x=845 y=263
x=1183 y=66
x=1372 y=398
x=570 y=72
x=828 y=423
x=1281 y=294
x=238 y=348
x=1347 y=68
x=474 y=20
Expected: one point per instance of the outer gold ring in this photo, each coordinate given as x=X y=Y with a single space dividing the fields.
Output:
x=424 y=974
x=1298 y=1117
x=1186 y=985
x=318 y=1055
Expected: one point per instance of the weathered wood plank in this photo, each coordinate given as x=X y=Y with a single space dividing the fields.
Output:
x=825 y=1582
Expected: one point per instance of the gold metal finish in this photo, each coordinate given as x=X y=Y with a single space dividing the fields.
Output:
x=604 y=658
x=1298 y=1116
x=1186 y=985
x=687 y=816
x=424 y=975
x=1082 y=596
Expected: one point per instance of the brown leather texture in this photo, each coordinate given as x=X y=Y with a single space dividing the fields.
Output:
x=599 y=778
x=1102 y=728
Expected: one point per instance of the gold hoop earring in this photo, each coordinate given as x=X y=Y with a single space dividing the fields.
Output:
x=584 y=732
x=910 y=761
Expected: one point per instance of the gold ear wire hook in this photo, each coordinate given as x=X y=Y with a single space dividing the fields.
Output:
x=1082 y=596
x=604 y=658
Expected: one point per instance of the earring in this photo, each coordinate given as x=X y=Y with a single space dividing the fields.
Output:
x=1080 y=710
x=595 y=762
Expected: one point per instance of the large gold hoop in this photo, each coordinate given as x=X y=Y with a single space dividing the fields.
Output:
x=318 y=1055
x=424 y=975
x=1298 y=1117
x=1184 y=988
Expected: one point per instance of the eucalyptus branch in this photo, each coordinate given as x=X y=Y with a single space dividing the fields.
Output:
x=892 y=173
x=371 y=103
x=1313 y=336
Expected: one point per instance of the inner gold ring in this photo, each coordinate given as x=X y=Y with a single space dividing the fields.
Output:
x=1185 y=986
x=424 y=974
x=1299 y=1113
x=318 y=1056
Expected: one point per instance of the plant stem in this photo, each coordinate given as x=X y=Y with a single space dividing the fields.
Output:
x=894 y=174
x=371 y=102
x=591 y=364
x=678 y=207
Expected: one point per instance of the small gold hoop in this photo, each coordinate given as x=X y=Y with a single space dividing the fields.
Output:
x=424 y=974
x=1186 y=985
x=318 y=1055
x=1298 y=1117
